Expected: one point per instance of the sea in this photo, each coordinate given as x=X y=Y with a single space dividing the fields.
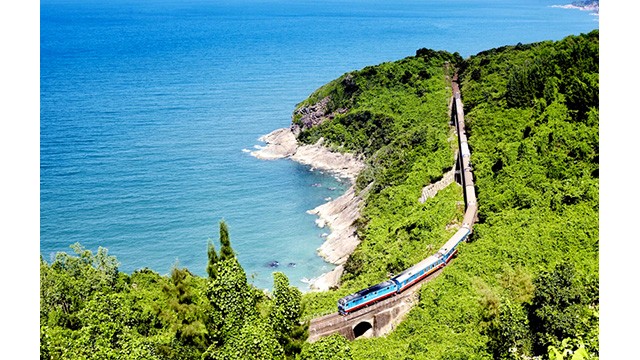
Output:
x=149 y=110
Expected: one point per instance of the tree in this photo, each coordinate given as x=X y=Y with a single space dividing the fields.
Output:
x=212 y=269
x=509 y=332
x=226 y=252
x=285 y=314
x=186 y=316
x=70 y=281
x=231 y=301
x=557 y=307
x=254 y=341
x=231 y=298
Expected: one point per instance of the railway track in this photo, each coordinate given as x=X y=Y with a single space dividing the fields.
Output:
x=328 y=324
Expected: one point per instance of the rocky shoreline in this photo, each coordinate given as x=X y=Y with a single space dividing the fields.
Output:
x=592 y=6
x=338 y=214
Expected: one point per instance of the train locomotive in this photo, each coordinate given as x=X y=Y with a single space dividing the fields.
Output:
x=405 y=279
x=431 y=264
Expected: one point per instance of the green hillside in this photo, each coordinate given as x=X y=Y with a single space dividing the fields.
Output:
x=396 y=115
x=527 y=283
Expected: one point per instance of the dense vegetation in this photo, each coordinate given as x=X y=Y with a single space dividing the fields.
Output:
x=90 y=310
x=527 y=283
x=396 y=115
x=525 y=286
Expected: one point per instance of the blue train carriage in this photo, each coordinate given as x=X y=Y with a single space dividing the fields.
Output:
x=417 y=272
x=366 y=297
x=449 y=249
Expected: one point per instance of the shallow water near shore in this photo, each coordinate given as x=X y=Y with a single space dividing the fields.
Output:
x=147 y=106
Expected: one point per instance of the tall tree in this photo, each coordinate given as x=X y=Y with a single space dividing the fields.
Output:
x=187 y=322
x=285 y=314
x=226 y=252
x=230 y=296
x=508 y=332
x=558 y=307
x=232 y=301
x=213 y=259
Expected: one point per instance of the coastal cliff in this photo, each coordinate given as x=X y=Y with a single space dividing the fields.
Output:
x=342 y=129
x=282 y=143
x=339 y=214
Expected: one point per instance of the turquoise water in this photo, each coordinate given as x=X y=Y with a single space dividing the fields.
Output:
x=147 y=106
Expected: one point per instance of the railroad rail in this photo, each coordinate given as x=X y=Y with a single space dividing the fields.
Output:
x=380 y=317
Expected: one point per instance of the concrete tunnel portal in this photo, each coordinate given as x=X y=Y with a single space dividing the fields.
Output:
x=362 y=328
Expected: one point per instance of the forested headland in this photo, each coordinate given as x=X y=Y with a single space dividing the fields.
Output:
x=526 y=284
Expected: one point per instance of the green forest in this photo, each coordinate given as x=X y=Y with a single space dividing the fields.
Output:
x=89 y=310
x=525 y=285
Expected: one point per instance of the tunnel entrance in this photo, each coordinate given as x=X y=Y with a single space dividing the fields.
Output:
x=363 y=329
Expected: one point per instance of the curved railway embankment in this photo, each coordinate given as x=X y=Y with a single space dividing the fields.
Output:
x=382 y=316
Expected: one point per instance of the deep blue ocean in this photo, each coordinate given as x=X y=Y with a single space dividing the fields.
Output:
x=148 y=109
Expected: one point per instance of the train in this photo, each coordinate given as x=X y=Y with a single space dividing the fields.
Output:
x=404 y=280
